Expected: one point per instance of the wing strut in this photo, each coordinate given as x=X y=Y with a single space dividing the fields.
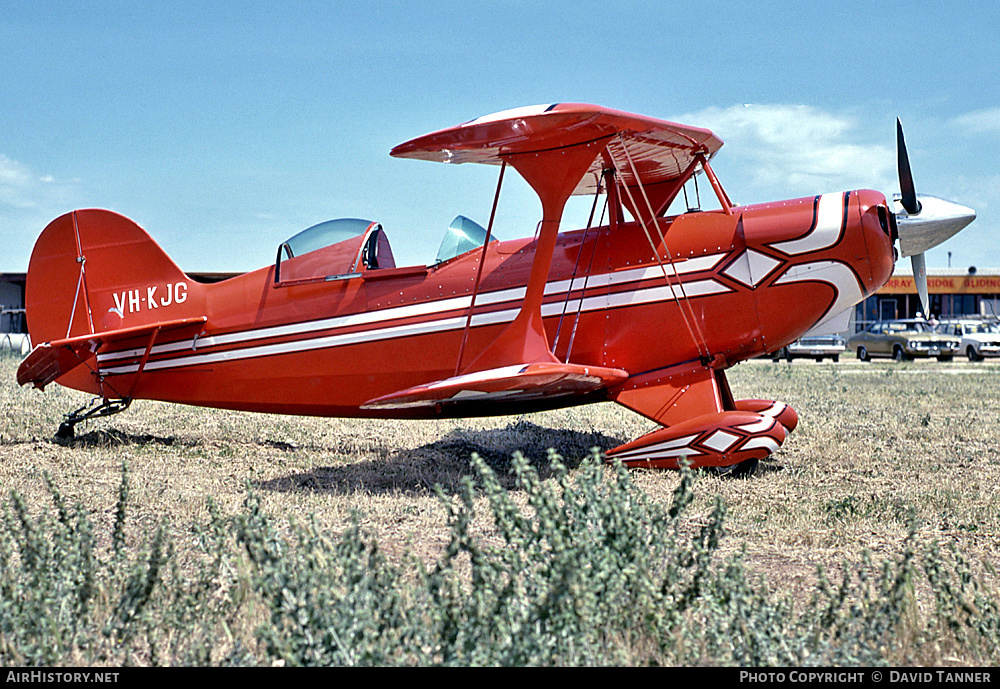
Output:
x=553 y=174
x=727 y=205
x=675 y=285
x=576 y=267
x=479 y=270
x=519 y=364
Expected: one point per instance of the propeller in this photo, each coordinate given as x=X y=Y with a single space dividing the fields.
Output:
x=922 y=221
x=908 y=192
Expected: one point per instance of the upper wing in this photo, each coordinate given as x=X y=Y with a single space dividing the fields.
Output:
x=661 y=151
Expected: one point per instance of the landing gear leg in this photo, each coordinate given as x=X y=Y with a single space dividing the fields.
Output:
x=92 y=410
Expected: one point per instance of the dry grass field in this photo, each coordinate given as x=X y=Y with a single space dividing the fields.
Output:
x=882 y=449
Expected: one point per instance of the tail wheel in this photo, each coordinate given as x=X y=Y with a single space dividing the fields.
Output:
x=863 y=354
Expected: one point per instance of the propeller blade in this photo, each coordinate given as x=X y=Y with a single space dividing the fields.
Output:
x=906 y=188
x=920 y=279
x=924 y=221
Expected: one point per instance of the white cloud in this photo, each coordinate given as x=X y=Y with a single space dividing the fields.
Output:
x=22 y=188
x=783 y=150
x=28 y=201
x=978 y=191
x=16 y=182
x=979 y=121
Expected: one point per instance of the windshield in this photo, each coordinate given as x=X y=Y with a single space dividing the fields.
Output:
x=983 y=329
x=910 y=328
x=463 y=235
x=326 y=234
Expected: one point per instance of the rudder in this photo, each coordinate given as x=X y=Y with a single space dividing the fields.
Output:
x=93 y=271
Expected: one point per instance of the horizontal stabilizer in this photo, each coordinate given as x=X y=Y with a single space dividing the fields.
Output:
x=520 y=382
x=50 y=360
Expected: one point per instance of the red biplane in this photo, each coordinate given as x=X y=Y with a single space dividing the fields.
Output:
x=645 y=309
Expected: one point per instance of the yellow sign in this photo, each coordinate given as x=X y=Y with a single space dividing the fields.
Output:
x=945 y=284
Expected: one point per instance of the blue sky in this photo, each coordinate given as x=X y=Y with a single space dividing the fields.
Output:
x=224 y=128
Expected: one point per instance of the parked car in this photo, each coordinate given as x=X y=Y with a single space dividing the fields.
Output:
x=816 y=347
x=903 y=340
x=980 y=337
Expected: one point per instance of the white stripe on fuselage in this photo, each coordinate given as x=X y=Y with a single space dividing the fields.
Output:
x=695 y=288
x=424 y=309
x=826 y=231
x=834 y=273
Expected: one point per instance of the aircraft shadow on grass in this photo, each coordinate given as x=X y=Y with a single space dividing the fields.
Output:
x=447 y=462
x=113 y=437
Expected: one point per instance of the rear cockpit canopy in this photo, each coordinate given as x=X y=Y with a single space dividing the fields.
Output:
x=326 y=234
x=334 y=249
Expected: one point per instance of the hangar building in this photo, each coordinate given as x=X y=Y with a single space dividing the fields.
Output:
x=952 y=292
x=12 y=303
x=13 y=320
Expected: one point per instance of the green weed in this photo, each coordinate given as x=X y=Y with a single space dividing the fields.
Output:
x=580 y=568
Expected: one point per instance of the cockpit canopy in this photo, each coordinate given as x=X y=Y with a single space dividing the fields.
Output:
x=345 y=247
x=326 y=234
x=333 y=249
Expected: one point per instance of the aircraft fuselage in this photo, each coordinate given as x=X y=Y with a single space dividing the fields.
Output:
x=722 y=288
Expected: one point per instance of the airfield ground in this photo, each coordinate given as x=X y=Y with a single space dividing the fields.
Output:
x=880 y=447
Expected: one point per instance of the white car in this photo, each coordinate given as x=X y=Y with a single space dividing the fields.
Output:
x=980 y=338
x=813 y=347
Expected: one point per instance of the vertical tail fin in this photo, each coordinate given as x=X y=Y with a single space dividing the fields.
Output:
x=94 y=271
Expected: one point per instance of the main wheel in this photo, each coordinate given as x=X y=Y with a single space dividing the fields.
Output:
x=970 y=352
x=898 y=354
x=863 y=354
x=745 y=469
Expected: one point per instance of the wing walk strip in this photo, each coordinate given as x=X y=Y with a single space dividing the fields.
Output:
x=641 y=295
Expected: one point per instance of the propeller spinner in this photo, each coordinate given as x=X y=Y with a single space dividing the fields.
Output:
x=922 y=221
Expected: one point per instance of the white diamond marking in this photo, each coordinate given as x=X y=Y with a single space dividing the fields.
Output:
x=720 y=441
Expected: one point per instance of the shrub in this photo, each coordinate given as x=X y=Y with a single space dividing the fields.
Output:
x=578 y=569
